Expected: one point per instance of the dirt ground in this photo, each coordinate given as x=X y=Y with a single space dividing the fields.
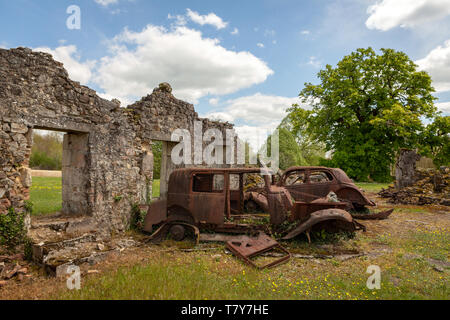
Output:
x=384 y=242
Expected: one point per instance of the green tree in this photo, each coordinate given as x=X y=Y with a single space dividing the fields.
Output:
x=365 y=109
x=436 y=141
x=47 y=150
x=312 y=151
x=290 y=153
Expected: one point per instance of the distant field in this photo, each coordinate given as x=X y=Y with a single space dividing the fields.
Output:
x=46 y=173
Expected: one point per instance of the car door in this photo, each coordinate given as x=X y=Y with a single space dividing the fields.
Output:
x=208 y=197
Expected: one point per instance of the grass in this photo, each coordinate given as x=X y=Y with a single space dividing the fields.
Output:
x=156 y=190
x=46 y=195
x=372 y=187
x=407 y=240
x=168 y=273
x=203 y=276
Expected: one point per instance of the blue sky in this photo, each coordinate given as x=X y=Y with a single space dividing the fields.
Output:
x=241 y=61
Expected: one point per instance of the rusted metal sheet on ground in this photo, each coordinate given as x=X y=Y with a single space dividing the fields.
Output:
x=247 y=248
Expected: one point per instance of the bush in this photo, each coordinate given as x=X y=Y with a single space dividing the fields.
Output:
x=12 y=229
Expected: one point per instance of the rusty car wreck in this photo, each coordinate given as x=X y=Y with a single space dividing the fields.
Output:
x=217 y=199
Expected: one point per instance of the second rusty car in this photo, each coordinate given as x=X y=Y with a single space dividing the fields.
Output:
x=311 y=183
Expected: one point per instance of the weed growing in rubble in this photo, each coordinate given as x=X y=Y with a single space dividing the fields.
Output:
x=137 y=217
x=12 y=229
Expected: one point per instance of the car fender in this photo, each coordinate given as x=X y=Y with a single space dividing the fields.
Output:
x=157 y=213
x=321 y=216
x=354 y=195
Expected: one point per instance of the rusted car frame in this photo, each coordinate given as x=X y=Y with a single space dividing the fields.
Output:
x=209 y=198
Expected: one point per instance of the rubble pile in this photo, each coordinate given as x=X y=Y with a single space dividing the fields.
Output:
x=12 y=267
x=430 y=187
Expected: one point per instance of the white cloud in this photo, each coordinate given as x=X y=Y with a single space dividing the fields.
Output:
x=437 y=63
x=443 y=106
x=195 y=66
x=211 y=19
x=261 y=45
x=214 y=101
x=305 y=32
x=124 y=101
x=68 y=55
x=257 y=109
x=388 y=14
x=180 y=20
x=106 y=3
x=255 y=136
x=260 y=113
x=235 y=31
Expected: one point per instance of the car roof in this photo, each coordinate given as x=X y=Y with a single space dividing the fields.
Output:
x=309 y=168
x=340 y=174
x=180 y=179
x=189 y=171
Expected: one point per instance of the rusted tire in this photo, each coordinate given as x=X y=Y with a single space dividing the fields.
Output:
x=178 y=232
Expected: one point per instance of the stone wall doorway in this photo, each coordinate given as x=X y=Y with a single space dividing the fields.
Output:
x=166 y=165
x=74 y=171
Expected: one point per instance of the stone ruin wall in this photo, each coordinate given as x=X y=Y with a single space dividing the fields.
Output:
x=107 y=161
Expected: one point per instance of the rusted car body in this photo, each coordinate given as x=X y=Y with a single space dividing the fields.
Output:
x=209 y=198
x=308 y=184
x=201 y=196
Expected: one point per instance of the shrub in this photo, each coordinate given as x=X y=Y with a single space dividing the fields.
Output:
x=12 y=229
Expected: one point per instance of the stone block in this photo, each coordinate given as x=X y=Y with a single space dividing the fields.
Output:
x=25 y=177
x=18 y=128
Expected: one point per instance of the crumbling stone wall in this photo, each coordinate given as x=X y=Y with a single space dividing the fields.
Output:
x=107 y=161
x=405 y=168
